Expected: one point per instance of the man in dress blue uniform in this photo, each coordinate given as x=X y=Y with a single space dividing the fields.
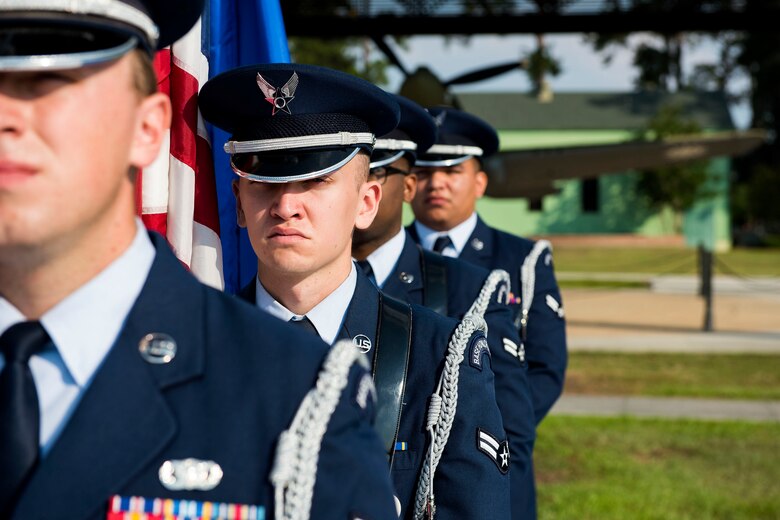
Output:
x=126 y=386
x=301 y=142
x=402 y=269
x=450 y=180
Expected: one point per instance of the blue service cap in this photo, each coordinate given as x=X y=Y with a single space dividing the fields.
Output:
x=291 y=122
x=461 y=136
x=416 y=131
x=67 y=34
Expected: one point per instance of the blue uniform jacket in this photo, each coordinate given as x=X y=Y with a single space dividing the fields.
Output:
x=464 y=282
x=235 y=383
x=468 y=484
x=545 y=341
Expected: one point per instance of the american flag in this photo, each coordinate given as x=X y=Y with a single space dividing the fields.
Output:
x=177 y=193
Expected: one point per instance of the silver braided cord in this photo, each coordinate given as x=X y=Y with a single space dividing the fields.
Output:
x=528 y=279
x=496 y=277
x=442 y=409
x=295 y=466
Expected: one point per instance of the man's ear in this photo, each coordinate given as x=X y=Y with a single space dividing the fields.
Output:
x=152 y=124
x=481 y=183
x=370 y=196
x=410 y=187
x=240 y=217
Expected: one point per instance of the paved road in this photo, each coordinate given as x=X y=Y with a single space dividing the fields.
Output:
x=640 y=320
x=668 y=407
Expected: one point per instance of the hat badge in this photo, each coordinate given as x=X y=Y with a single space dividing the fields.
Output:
x=439 y=119
x=280 y=98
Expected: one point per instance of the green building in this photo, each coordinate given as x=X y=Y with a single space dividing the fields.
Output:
x=610 y=203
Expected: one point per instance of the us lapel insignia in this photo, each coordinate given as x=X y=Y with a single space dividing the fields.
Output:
x=362 y=342
x=157 y=348
x=477 y=244
x=406 y=278
x=190 y=474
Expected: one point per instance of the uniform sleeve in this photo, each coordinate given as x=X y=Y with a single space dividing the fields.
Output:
x=472 y=479
x=546 y=339
x=513 y=393
x=353 y=479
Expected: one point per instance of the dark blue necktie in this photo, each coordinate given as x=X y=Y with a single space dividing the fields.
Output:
x=442 y=243
x=19 y=412
x=366 y=267
x=305 y=324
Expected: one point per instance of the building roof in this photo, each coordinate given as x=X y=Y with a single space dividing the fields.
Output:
x=594 y=110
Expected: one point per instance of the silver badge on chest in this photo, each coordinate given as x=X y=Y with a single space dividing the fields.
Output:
x=157 y=348
x=477 y=244
x=190 y=474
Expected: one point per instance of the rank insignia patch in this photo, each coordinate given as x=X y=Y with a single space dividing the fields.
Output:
x=553 y=304
x=497 y=451
x=511 y=347
x=141 y=508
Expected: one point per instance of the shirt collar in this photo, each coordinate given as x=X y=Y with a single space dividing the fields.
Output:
x=384 y=259
x=459 y=234
x=327 y=316
x=85 y=324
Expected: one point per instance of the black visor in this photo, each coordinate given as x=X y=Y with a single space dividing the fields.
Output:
x=291 y=165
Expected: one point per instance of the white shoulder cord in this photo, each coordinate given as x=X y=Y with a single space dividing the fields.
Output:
x=442 y=409
x=528 y=282
x=441 y=412
x=295 y=466
x=492 y=282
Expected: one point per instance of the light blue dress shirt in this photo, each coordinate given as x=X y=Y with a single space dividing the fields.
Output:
x=327 y=316
x=83 y=327
x=385 y=257
x=459 y=235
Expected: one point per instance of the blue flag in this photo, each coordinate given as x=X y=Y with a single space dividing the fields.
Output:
x=241 y=32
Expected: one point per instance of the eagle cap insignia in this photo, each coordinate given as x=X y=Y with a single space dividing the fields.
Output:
x=439 y=119
x=280 y=98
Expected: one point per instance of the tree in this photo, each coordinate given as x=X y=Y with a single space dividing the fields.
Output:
x=351 y=55
x=678 y=187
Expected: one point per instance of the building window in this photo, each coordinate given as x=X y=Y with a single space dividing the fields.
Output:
x=590 y=195
x=535 y=204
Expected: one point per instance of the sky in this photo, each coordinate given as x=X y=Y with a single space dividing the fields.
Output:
x=582 y=68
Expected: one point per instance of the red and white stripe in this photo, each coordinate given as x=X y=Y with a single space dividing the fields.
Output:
x=177 y=192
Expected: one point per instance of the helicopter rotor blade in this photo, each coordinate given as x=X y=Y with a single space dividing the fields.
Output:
x=391 y=55
x=486 y=73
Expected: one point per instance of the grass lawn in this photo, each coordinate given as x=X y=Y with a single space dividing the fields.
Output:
x=639 y=469
x=743 y=262
x=693 y=375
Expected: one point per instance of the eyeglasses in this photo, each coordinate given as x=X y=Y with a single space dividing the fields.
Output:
x=381 y=173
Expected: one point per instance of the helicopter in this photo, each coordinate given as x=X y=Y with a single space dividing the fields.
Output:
x=533 y=173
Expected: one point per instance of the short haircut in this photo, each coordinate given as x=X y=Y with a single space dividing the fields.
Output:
x=144 y=77
x=361 y=176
